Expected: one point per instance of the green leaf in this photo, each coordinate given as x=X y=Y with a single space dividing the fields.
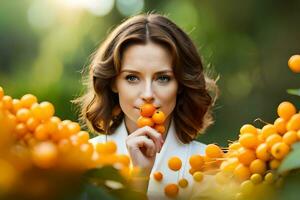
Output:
x=104 y=173
x=292 y=160
x=294 y=91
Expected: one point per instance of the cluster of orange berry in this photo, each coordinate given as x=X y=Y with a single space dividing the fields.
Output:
x=257 y=154
x=31 y=136
x=199 y=165
x=151 y=117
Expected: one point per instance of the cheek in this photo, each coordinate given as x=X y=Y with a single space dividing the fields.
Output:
x=167 y=96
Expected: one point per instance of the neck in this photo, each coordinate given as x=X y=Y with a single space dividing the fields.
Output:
x=131 y=126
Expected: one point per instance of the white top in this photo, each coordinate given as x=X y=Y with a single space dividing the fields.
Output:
x=172 y=147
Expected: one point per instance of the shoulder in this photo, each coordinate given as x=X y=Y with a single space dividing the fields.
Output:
x=197 y=147
x=97 y=139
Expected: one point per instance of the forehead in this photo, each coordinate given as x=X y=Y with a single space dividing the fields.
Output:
x=146 y=57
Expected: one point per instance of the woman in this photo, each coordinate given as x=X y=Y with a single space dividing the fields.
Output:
x=149 y=59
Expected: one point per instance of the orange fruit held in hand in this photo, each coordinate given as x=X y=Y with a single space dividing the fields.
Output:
x=294 y=63
x=144 y=121
x=147 y=110
x=160 y=128
x=158 y=117
x=174 y=163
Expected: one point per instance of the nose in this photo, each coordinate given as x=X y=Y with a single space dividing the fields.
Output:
x=147 y=93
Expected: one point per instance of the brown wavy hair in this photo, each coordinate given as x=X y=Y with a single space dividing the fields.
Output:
x=192 y=113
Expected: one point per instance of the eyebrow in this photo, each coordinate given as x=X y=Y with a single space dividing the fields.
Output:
x=134 y=71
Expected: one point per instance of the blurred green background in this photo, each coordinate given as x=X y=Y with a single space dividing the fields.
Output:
x=44 y=44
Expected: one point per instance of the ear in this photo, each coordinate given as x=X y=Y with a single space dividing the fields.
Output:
x=113 y=87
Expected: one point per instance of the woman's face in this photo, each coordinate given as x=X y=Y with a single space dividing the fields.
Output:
x=146 y=77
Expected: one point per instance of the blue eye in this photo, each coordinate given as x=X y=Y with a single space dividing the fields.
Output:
x=131 y=78
x=164 y=79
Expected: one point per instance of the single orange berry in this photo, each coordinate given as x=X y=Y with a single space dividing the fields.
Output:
x=32 y=123
x=144 y=121
x=158 y=117
x=47 y=110
x=286 y=110
x=262 y=152
x=158 y=176
x=147 y=110
x=27 y=100
x=294 y=63
x=268 y=130
x=280 y=150
x=290 y=137
x=196 y=162
x=258 y=166
x=246 y=156
x=198 y=176
x=7 y=102
x=160 y=128
x=23 y=114
x=45 y=155
x=241 y=172
x=280 y=125
x=248 y=128
x=174 y=163
x=294 y=123
x=274 y=164
x=124 y=159
x=110 y=147
x=213 y=151
x=171 y=190
x=183 y=183
x=248 y=140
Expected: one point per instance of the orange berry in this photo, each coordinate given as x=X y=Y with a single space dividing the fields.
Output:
x=174 y=163
x=171 y=190
x=147 y=110
x=83 y=137
x=196 y=162
x=73 y=127
x=16 y=105
x=32 y=123
x=262 y=152
x=183 y=183
x=144 y=121
x=294 y=123
x=279 y=150
x=248 y=140
x=294 y=63
x=248 y=128
x=124 y=159
x=23 y=114
x=234 y=146
x=160 y=128
x=274 y=164
x=280 y=125
x=110 y=147
x=272 y=139
x=21 y=130
x=198 y=176
x=258 y=166
x=229 y=165
x=64 y=145
x=290 y=137
x=7 y=102
x=158 y=176
x=27 y=100
x=47 y=110
x=158 y=117
x=268 y=130
x=45 y=155
x=213 y=151
x=286 y=110
x=41 y=132
x=246 y=156
x=241 y=172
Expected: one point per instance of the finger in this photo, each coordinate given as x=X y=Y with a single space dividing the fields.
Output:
x=142 y=142
x=152 y=134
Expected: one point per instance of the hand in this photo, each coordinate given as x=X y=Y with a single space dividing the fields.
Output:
x=142 y=145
